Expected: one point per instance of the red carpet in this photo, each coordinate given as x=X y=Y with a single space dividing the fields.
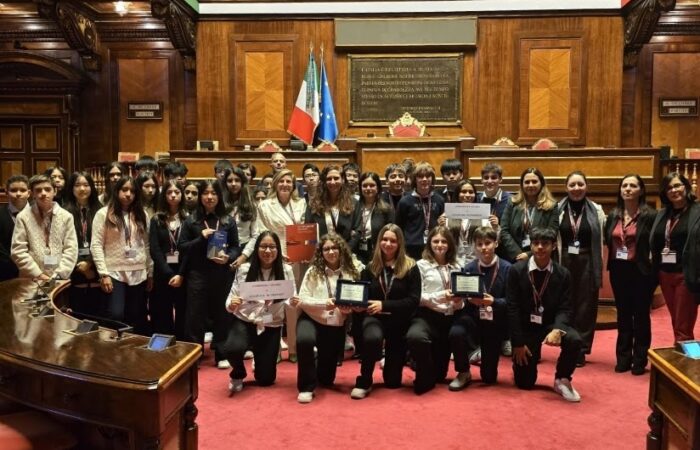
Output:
x=612 y=412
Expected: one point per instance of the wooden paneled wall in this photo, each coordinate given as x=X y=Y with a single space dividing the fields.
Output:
x=557 y=77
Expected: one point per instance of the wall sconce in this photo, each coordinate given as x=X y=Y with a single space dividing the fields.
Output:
x=121 y=8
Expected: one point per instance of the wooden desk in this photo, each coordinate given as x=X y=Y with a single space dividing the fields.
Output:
x=137 y=399
x=674 y=397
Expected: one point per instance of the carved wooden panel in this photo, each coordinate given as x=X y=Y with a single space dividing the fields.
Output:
x=144 y=79
x=45 y=138
x=9 y=168
x=674 y=76
x=261 y=86
x=550 y=90
x=11 y=138
x=39 y=165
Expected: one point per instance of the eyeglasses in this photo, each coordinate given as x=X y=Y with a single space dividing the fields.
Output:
x=675 y=186
x=271 y=248
x=330 y=249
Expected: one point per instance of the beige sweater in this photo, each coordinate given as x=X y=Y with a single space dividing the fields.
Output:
x=29 y=243
x=108 y=248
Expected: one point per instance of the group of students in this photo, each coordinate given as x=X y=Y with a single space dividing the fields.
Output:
x=172 y=259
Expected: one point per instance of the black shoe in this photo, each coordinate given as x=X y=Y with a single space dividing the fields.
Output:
x=581 y=360
x=638 y=370
x=621 y=367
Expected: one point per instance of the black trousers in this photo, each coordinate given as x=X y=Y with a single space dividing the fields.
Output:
x=329 y=340
x=467 y=327
x=266 y=346
x=163 y=301
x=526 y=376
x=206 y=297
x=88 y=300
x=633 y=293
x=584 y=296
x=377 y=330
x=429 y=344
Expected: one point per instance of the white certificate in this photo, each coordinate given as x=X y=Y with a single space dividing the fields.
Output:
x=266 y=290
x=467 y=283
x=354 y=293
x=476 y=211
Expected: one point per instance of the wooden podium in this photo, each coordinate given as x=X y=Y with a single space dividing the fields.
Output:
x=120 y=394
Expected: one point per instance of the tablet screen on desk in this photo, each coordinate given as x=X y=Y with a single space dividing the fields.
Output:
x=691 y=349
x=160 y=342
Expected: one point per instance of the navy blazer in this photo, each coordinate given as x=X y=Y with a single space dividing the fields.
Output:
x=378 y=220
x=8 y=269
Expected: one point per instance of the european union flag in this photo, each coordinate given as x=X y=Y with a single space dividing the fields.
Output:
x=327 y=128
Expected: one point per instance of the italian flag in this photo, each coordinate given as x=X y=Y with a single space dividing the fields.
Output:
x=305 y=116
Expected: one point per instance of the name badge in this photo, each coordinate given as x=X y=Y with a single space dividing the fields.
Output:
x=622 y=254
x=332 y=318
x=573 y=250
x=536 y=318
x=172 y=258
x=267 y=318
x=83 y=252
x=50 y=261
x=526 y=242
x=668 y=258
x=130 y=253
x=363 y=246
x=425 y=237
x=486 y=313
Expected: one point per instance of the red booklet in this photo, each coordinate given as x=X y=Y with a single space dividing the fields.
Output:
x=301 y=241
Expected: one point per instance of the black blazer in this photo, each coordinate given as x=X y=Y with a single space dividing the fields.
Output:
x=403 y=298
x=8 y=269
x=556 y=302
x=193 y=247
x=343 y=227
x=159 y=242
x=641 y=239
x=378 y=220
x=513 y=233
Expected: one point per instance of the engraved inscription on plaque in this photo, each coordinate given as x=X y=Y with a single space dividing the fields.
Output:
x=383 y=87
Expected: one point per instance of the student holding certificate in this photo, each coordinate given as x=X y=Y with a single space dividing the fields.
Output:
x=428 y=335
x=283 y=207
x=256 y=324
x=675 y=238
x=120 y=249
x=321 y=323
x=485 y=317
x=208 y=242
x=395 y=288
x=627 y=237
x=533 y=206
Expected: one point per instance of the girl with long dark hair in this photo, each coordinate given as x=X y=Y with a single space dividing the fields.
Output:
x=370 y=215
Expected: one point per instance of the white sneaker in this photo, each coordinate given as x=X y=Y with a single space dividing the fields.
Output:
x=223 y=364
x=349 y=345
x=506 y=348
x=359 y=393
x=235 y=385
x=208 y=336
x=563 y=387
x=305 y=397
x=381 y=363
x=283 y=345
x=475 y=357
x=248 y=355
x=460 y=381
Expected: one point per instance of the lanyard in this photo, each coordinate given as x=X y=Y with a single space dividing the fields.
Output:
x=127 y=229
x=47 y=229
x=624 y=227
x=496 y=200
x=173 y=235
x=494 y=274
x=290 y=212
x=671 y=223
x=426 y=213
x=527 y=218
x=385 y=282
x=537 y=295
x=84 y=226
x=575 y=223
x=334 y=213
x=331 y=294
x=446 y=282
x=366 y=215
x=464 y=232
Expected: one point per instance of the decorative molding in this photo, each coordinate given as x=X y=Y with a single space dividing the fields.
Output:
x=133 y=35
x=29 y=73
x=24 y=35
x=641 y=18
x=79 y=30
x=181 y=22
x=682 y=21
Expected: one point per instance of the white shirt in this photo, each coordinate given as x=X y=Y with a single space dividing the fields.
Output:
x=435 y=280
